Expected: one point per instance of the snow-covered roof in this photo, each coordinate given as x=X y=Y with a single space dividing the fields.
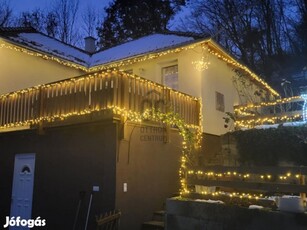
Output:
x=148 y=46
x=31 y=39
x=144 y=45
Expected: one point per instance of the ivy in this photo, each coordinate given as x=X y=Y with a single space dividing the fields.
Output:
x=268 y=147
x=191 y=136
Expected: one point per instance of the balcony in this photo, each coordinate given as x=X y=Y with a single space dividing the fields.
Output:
x=267 y=113
x=112 y=93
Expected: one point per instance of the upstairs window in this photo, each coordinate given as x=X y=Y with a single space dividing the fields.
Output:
x=219 y=102
x=170 y=76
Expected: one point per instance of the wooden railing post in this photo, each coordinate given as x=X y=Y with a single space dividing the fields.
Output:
x=41 y=109
x=74 y=96
x=124 y=92
x=302 y=194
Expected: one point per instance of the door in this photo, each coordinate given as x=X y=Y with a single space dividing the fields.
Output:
x=23 y=182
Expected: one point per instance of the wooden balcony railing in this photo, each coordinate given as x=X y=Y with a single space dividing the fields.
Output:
x=93 y=93
x=276 y=112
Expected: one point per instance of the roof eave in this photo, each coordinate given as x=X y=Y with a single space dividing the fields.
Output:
x=237 y=64
x=39 y=53
x=151 y=55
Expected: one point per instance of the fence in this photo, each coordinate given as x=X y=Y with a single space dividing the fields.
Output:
x=90 y=93
x=108 y=221
x=283 y=180
x=279 y=111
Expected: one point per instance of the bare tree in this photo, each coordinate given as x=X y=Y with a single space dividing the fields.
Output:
x=66 y=13
x=5 y=13
x=255 y=31
x=51 y=24
x=35 y=19
x=91 y=19
x=301 y=27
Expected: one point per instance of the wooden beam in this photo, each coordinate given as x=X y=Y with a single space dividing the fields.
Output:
x=255 y=169
x=268 y=187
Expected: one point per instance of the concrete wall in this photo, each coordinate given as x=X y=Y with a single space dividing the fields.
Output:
x=187 y=215
x=71 y=159
x=68 y=160
x=20 y=70
x=149 y=166
x=211 y=150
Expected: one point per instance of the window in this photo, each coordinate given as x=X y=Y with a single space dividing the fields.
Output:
x=170 y=76
x=219 y=102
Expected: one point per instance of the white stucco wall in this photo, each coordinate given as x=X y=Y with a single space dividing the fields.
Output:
x=189 y=77
x=217 y=78
x=20 y=70
x=198 y=83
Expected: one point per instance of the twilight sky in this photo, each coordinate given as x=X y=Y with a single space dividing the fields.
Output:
x=25 y=5
x=28 y=5
x=19 y=6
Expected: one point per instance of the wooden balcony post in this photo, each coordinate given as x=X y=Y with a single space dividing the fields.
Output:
x=41 y=109
x=34 y=106
x=124 y=92
x=302 y=182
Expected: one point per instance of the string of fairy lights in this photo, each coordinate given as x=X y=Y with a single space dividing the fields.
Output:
x=240 y=195
x=242 y=176
x=63 y=86
x=269 y=103
x=115 y=64
x=226 y=58
x=247 y=118
x=132 y=115
x=285 y=178
x=129 y=61
x=173 y=119
x=167 y=118
x=41 y=55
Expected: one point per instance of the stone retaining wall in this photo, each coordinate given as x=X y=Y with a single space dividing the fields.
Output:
x=194 y=215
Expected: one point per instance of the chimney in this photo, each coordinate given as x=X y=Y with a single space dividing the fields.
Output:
x=90 y=44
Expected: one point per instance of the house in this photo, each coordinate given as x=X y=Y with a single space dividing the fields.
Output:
x=73 y=139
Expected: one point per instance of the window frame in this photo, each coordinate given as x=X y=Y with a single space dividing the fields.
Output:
x=163 y=76
x=219 y=101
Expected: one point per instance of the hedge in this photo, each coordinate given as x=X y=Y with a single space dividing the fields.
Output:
x=267 y=147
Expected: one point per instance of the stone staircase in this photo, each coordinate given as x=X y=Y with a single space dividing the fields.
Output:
x=157 y=222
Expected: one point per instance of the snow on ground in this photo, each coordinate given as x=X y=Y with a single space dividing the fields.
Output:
x=210 y=201
x=296 y=123
x=253 y=206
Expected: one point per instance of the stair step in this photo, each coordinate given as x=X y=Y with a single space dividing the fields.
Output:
x=159 y=213
x=153 y=225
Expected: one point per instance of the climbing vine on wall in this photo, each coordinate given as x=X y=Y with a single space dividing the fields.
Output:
x=190 y=143
x=191 y=135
